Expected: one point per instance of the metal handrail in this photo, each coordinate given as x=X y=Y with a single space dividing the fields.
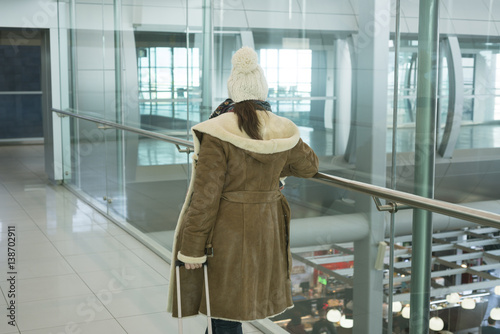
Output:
x=31 y=92
x=449 y=209
x=146 y=133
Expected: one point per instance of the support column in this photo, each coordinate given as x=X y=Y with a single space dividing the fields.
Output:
x=370 y=72
x=206 y=69
x=425 y=148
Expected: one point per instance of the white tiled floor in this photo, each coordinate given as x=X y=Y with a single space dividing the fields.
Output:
x=75 y=271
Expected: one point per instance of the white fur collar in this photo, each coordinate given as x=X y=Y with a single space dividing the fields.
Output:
x=279 y=134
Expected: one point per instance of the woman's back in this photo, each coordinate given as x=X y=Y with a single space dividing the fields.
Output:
x=235 y=217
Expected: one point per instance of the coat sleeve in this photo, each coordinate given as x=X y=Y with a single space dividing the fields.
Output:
x=302 y=162
x=201 y=213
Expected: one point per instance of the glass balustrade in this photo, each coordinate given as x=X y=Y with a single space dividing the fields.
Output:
x=162 y=67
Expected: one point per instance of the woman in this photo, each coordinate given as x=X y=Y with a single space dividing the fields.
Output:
x=234 y=211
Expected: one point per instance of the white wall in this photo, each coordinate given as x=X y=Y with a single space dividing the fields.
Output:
x=28 y=14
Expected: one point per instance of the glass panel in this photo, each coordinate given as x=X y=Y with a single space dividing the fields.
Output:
x=157 y=193
x=458 y=178
x=139 y=181
x=335 y=86
x=86 y=157
x=115 y=172
x=480 y=68
x=148 y=193
x=165 y=80
x=406 y=99
x=288 y=72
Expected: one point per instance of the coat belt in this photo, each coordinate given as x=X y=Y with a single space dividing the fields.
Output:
x=249 y=197
x=252 y=197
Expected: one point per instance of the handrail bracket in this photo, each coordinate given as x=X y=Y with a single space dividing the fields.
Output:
x=187 y=150
x=391 y=207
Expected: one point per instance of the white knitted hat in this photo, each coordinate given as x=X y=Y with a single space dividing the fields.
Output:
x=247 y=80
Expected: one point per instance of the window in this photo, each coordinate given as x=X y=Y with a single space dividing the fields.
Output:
x=164 y=79
x=468 y=65
x=288 y=74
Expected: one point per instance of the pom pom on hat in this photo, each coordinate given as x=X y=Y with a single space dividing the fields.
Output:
x=245 y=60
x=247 y=80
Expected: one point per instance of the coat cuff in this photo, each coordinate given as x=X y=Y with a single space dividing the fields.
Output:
x=190 y=259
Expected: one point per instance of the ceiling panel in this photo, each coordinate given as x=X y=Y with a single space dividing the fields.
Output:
x=156 y=16
x=329 y=7
x=230 y=18
x=158 y=3
x=446 y=26
x=409 y=8
x=468 y=27
x=192 y=3
x=466 y=9
x=195 y=17
x=273 y=6
x=274 y=20
x=228 y=4
x=331 y=22
x=493 y=8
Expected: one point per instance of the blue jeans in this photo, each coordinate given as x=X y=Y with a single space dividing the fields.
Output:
x=225 y=327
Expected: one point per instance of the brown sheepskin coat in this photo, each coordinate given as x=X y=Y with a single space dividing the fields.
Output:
x=234 y=191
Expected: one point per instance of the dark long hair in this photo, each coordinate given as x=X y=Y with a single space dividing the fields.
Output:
x=248 y=120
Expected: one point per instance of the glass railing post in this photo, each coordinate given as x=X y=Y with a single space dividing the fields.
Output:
x=119 y=146
x=394 y=163
x=118 y=59
x=424 y=164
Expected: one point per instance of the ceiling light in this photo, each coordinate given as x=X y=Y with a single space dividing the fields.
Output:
x=396 y=307
x=495 y=313
x=346 y=323
x=453 y=298
x=333 y=315
x=436 y=323
x=468 y=303
x=406 y=312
